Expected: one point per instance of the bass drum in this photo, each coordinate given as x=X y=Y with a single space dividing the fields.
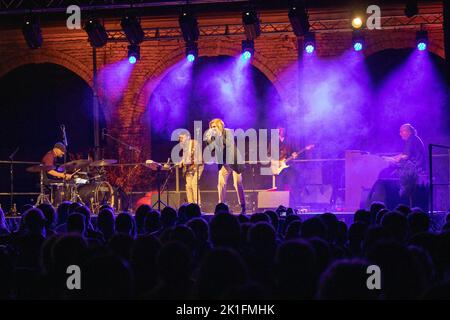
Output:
x=96 y=194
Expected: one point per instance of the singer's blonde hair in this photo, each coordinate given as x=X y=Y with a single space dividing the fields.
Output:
x=218 y=122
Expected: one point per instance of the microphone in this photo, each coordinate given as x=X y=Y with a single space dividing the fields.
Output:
x=209 y=135
x=11 y=156
x=103 y=133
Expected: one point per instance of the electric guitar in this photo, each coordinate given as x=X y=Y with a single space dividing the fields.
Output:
x=277 y=166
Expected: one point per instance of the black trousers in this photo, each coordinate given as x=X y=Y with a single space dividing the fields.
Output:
x=289 y=180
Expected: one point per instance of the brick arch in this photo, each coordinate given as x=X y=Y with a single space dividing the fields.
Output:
x=433 y=47
x=12 y=62
x=163 y=66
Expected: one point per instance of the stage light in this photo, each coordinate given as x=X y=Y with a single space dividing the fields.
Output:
x=134 y=53
x=190 y=57
x=411 y=8
x=96 y=33
x=191 y=51
x=251 y=24
x=32 y=32
x=357 y=22
x=357 y=40
x=309 y=42
x=298 y=16
x=422 y=40
x=248 y=49
x=358 y=16
x=189 y=26
x=131 y=26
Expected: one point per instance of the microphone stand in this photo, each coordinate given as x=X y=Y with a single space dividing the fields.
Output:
x=131 y=149
x=63 y=128
x=11 y=171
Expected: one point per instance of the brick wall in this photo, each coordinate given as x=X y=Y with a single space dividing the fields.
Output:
x=274 y=52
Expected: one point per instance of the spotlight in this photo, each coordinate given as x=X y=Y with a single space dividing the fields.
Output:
x=134 y=53
x=422 y=40
x=191 y=51
x=189 y=26
x=411 y=8
x=298 y=16
x=357 y=40
x=131 y=26
x=358 y=16
x=250 y=21
x=96 y=33
x=309 y=42
x=32 y=32
x=357 y=22
x=248 y=49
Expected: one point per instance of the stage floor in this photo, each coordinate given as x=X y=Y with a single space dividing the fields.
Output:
x=437 y=219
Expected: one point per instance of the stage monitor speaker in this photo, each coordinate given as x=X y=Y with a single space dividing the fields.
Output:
x=273 y=199
x=316 y=194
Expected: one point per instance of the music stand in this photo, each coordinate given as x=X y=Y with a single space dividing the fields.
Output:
x=166 y=167
x=158 y=167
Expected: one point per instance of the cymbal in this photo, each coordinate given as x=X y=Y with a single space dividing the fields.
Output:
x=38 y=168
x=103 y=162
x=75 y=164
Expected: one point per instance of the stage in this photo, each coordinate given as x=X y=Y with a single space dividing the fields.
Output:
x=436 y=223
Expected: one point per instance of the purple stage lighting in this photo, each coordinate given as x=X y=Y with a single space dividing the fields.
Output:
x=357 y=40
x=134 y=53
x=247 y=55
x=422 y=46
x=190 y=57
x=310 y=43
x=309 y=48
x=247 y=49
x=191 y=51
x=422 y=40
x=358 y=46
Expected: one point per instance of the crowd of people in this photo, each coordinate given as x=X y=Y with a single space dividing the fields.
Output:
x=184 y=254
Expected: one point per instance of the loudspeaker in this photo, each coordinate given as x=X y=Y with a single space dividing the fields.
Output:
x=273 y=199
x=320 y=194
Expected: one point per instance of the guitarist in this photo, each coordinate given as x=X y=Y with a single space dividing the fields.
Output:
x=288 y=178
x=192 y=167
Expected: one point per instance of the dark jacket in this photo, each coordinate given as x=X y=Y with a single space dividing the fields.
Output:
x=227 y=148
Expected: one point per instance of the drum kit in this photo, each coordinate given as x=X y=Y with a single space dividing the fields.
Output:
x=88 y=186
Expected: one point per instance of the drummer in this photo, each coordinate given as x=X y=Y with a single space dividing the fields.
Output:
x=58 y=151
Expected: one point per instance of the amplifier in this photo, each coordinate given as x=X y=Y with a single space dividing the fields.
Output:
x=273 y=199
